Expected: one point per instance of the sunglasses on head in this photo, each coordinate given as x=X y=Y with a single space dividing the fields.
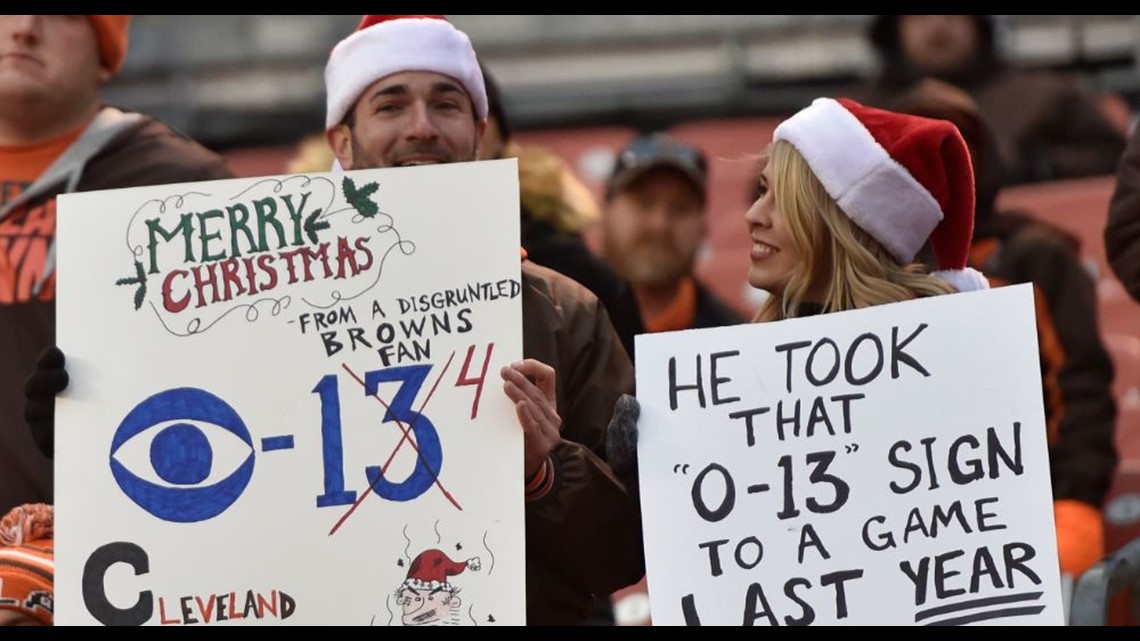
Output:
x=648 y=150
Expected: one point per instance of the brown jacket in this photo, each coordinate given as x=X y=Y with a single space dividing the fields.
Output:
x=584 y=536
x=1122 y=233
x=149 y=154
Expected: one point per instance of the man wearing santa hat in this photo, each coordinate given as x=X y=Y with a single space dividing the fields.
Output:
x=408 y=90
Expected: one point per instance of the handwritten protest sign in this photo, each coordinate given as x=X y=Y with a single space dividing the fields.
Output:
x=886 y=466
x=285 y=404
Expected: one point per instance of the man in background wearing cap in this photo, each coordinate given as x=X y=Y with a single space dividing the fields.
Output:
x=556 y=208
x=653 y=224
x=407 y=90
x=56 y=137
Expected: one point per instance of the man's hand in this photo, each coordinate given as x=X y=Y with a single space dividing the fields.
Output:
x=49 y=379
x=530 y=384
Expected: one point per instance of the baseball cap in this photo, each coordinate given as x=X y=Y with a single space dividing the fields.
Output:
x=658 y=150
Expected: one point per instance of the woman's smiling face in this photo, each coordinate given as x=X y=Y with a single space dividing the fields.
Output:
x=774 y=253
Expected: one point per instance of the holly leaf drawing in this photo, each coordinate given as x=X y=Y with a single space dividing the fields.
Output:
x=312 y=226
x=138 y=279
x=359 y=197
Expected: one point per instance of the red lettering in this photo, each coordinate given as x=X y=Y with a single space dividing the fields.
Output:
x=171 y=305
x=311 y=256
x=266 y=265
x=362 y=245
x=233 y=610
x=206 y=609
x=270 y=605
x=201 y=283
x=230 y=277
x=249 y=272
x=162 y=614
x=477 y=382
x=344 y=254
x=288 y=257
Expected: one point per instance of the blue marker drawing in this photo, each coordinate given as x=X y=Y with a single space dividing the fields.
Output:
x=182 y=456
x=273 y=443
x=429 y=457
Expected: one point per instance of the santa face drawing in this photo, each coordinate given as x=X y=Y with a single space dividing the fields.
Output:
x=436 y=606
x=427 y=596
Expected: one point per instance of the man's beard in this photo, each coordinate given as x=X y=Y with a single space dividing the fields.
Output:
x=363 y=159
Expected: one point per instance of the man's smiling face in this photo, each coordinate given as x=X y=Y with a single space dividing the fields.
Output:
x=409 y=118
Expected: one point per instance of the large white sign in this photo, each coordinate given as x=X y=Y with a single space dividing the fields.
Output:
x=886 y=466
x=285 y=403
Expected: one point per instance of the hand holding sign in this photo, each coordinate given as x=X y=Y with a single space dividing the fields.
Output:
x=530 y=384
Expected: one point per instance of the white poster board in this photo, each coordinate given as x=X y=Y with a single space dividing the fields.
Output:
x=285 y=403
x=886 y=466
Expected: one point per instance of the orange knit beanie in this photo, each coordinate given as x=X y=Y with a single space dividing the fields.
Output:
x=111 y=32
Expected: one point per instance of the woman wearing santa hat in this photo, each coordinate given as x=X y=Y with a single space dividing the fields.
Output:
x=849 y=197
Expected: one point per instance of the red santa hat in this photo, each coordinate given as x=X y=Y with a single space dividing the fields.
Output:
x=384 y=45
x=430 y=569
x=903 y=179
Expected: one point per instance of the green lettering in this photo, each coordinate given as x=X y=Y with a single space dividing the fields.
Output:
x=185 y=227
x=238 y=219
x=266 y=210
x=296 y=214
x=203 y=220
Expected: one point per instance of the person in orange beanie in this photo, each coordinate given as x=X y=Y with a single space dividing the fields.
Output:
x=58 y=136
x=27 y=567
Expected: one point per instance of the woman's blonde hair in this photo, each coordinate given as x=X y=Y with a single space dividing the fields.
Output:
x=857 y=269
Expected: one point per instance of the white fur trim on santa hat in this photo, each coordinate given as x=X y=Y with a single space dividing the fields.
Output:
x=964 y=280
x=395 y=46
x=875 y=191
x=427 y=586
